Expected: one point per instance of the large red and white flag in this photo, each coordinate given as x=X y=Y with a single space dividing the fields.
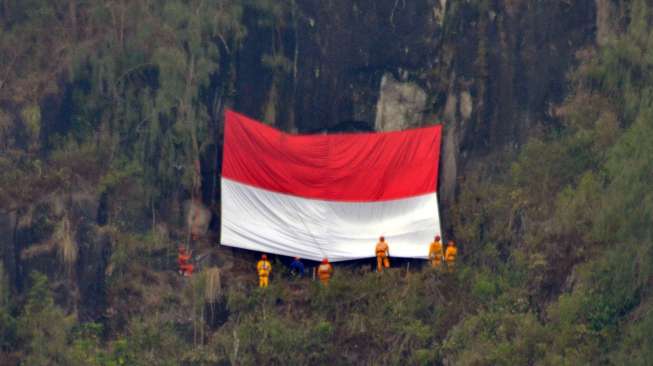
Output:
x=317 y=196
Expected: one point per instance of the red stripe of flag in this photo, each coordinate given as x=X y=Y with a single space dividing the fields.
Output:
x=340 y=167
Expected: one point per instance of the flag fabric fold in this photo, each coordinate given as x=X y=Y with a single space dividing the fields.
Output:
x=317 y=196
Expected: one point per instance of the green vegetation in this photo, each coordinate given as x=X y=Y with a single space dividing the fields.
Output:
x=556 y=239
x=581 y=196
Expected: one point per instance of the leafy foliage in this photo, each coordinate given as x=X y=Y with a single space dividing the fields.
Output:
x=556 y=242
x=45 y=344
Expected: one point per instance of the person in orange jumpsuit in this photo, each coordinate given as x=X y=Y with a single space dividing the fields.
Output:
x=382 y=255
x=450 y=255
x=325 y=271
x=263 y=268
x=185 y=268
x=435 y=252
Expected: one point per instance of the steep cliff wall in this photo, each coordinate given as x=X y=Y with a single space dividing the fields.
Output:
x=491 y=71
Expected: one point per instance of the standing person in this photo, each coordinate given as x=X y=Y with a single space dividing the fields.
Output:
x=382 y=255
x=325 y=271
x=435 y=252
x=450 y=255
x=185 y=268
x=297 y=268
x=264 y=268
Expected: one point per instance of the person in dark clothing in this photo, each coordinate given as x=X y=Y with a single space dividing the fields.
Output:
x=297 y=268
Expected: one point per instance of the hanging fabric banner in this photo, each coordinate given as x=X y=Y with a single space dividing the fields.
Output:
x=332 y=196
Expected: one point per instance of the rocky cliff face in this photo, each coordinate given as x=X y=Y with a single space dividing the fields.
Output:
x=491 y=71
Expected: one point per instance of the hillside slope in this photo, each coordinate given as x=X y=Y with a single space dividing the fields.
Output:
x=110 y=127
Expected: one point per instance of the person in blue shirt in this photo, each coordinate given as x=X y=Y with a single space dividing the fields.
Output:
x=297 y=268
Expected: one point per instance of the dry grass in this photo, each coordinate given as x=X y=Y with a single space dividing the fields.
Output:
x=213 y=284
x=58 y=205
x=67 y=248
x=36 y=250
x=27 y=219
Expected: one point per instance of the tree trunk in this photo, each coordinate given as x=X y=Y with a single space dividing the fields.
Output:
x=72 y=13
x=18 y=267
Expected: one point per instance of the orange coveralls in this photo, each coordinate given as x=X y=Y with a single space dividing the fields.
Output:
x=382 y=256
x=263 y=267
x=450 y=256
x=185 y=268
x=435 y=253
x=324 y=272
